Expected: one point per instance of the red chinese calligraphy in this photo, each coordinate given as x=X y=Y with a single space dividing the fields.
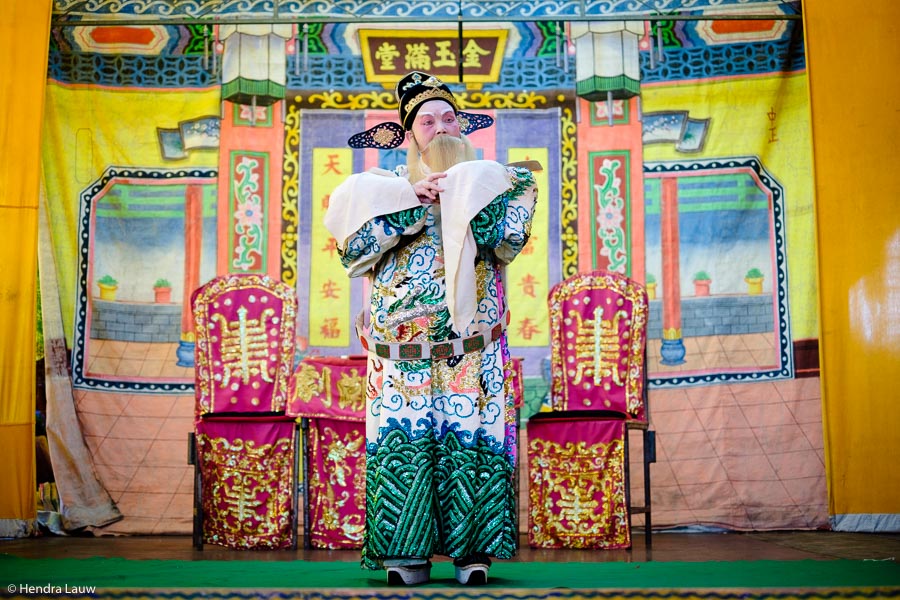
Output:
x=330 y=247
x=330 y=290
x=527 y=284
x=333 y=165
x=330 y=329
x=528 y=329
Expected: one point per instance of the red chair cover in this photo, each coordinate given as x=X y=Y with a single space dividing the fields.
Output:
x=330 y=392
x=576 y=486
x=329 y=387
x=244 y=327
x=598 y=325
x=337 y=483
x=247 y=482
x=576 y=467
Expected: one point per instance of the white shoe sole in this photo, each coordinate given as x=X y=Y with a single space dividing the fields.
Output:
x=408 y=575
x=472 y=574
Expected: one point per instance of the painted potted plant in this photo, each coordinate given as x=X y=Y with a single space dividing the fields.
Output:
x=754 y=279
x=108 y=286
x=651 y=286
x=702 y=280
x=162 y=291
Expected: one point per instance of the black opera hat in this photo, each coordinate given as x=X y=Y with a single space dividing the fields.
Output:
x=413 y=90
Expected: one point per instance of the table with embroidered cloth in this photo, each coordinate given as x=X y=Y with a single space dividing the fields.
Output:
x=328 y=394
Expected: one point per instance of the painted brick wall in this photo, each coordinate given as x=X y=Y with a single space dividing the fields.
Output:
x=135 y=321
x=718 y=315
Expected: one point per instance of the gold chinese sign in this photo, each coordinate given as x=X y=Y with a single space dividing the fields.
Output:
x=390 y=54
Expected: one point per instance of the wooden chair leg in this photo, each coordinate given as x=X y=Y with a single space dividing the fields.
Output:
x=649 y=458
x=627 y=461
x=194 y=459
x=295 y=490
x=304 y=427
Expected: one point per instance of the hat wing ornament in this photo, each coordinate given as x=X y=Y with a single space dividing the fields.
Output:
x=469 y=122
x=385 y=136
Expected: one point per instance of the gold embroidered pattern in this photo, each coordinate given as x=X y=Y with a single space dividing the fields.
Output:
x=575 y=352
x=244 y=347
x=463 y=378
x=384 y=136
x=432 y=94
x=351 y=391
x=246 y=491
x=577 y=494
x=337 y=494
x=210 y=306
x=309 y=383
x=597 y=346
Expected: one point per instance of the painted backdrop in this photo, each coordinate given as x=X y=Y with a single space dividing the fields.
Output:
x=700 y=187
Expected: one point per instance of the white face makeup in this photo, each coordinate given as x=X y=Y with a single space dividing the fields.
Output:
x=435 y=117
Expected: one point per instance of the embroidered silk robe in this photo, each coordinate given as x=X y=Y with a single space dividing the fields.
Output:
x=440 y=434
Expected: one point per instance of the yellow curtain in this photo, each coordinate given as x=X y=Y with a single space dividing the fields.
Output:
x=852 y=59
x=24 y=39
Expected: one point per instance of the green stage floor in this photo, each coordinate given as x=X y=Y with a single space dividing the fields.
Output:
x=552 y=579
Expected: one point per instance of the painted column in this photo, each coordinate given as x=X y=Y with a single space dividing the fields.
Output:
x=611 y=190
x=193 y=241
x=251 y=147
x=249 y=223
x=672 y=350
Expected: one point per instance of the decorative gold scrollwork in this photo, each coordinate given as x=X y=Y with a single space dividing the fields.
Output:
x=598 y=346
x=244 y=346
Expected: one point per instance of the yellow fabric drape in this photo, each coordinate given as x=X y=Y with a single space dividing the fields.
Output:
x=852 y=65
x=24 y=39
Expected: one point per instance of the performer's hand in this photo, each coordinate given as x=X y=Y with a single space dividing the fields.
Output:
x=428 y=190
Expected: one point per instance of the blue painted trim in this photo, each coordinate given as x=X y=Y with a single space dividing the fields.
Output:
x=783 y=324
x=79 y=378
x=360 y=10
x=346 y=73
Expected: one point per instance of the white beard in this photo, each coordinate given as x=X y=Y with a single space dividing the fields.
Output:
x=443 y=152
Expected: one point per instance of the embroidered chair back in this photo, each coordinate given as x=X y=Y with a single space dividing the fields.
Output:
x=598 y=331
x=244 y=327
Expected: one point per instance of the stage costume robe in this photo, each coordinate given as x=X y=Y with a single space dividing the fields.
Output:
x=441 y=433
